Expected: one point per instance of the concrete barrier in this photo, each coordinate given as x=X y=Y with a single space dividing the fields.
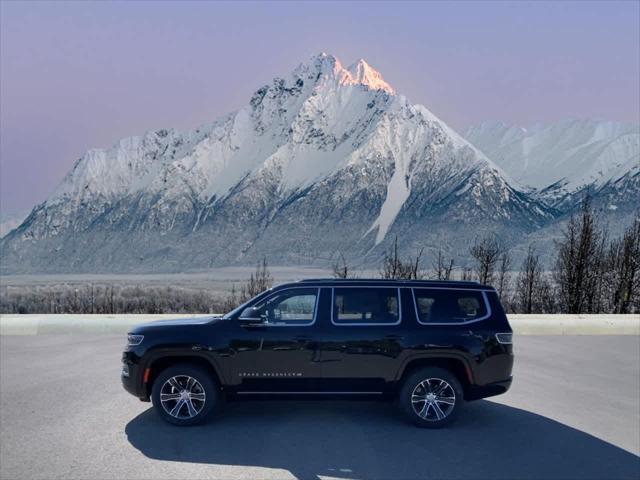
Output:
x=575 y=324
x=120 y=324
x=77 y=324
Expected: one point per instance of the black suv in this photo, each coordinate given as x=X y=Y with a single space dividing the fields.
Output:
x=432 y=345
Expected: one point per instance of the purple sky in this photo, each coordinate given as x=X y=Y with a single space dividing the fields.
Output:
x=80 y=75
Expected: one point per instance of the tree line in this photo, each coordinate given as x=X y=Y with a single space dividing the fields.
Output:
x=119 y=299
x=108 y=299
x=591 y=273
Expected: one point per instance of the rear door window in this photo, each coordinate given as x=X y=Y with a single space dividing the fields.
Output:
x=366 y=306
x=449 y=306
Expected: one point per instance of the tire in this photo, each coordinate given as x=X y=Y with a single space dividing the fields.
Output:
x=431 y=383
x=202 y=394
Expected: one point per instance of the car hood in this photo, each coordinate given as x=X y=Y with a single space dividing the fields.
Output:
x=175 y=322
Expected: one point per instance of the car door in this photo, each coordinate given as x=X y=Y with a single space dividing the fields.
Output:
x=280 y=354
x=360 y=351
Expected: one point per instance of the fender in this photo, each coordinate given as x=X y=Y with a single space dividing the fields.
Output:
x=433 y=356
x=162 y=352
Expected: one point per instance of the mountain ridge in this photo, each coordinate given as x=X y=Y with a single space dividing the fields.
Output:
x=327 y=159
x=563 y=161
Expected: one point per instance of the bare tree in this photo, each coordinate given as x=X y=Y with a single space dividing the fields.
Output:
x=231 y=301
x=442 y=268
x=503 y=276
x=341 y=268
x=258 y=282
x=486 y=253
x=391 y=262
x=546 y=296
x=622 y=271
x=394 y=267
x=577 y=265
x=529 y=282
x=467 y=274
x=596 y=281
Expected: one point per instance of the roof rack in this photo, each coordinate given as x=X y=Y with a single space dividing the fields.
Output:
x=347 y=280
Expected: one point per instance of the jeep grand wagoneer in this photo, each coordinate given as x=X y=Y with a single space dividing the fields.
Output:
x=431 y=345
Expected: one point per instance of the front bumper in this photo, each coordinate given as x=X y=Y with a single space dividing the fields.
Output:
x=132 y=378
x=476 y=392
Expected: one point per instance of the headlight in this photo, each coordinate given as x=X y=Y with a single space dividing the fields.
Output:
x=133 y=340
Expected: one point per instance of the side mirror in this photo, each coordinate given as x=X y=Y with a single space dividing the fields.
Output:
x=251 y=316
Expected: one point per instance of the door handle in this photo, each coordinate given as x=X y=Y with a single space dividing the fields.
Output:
x=302 y=338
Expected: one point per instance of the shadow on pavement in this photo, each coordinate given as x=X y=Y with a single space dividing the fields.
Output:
x=365 y=440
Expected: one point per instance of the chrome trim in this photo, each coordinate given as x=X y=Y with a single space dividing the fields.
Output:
x=403 y=283
x=309 y=393
x=266 y=299
x=454 y=288
x=355 y=324
x=480 y=319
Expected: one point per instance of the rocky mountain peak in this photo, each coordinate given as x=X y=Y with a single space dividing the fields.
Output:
x=364 y=74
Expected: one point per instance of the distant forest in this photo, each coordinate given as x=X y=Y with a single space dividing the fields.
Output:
x=592 y=273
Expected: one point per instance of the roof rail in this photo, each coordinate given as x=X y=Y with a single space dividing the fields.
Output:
x=455 y=282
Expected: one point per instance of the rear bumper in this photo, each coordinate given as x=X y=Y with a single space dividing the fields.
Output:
x=476 y=392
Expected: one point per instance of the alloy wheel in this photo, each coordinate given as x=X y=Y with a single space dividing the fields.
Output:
x=182 y=397
x=433 y=399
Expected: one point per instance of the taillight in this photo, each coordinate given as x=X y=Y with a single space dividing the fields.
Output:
x=504 y=338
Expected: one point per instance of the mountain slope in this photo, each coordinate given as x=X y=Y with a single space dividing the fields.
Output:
x=566 y=160
x=328 y=158
x=9 y=221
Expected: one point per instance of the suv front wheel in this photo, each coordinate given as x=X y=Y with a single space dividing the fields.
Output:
x=184 y=394
x=431 y=397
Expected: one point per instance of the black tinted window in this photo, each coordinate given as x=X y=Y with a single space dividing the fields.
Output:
x=365 y=305
x=448 y=306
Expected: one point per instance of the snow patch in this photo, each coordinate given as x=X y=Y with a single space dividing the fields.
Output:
x=397 y=193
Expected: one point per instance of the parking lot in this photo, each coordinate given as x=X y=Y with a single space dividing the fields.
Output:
x=573 y=412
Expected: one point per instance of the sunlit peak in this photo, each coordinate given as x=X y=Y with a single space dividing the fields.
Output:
x=362 y=73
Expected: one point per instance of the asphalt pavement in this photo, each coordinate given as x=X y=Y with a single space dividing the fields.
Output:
x=572 y=412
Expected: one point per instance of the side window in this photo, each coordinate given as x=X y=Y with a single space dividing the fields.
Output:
x=356 y=306
x=290 y=307
x=449 y=306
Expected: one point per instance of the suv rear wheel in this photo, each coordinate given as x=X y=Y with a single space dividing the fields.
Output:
x=184 y=394
x=431 y=397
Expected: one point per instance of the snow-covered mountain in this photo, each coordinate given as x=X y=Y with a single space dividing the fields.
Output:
x=328 y=158
x=563 y=161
